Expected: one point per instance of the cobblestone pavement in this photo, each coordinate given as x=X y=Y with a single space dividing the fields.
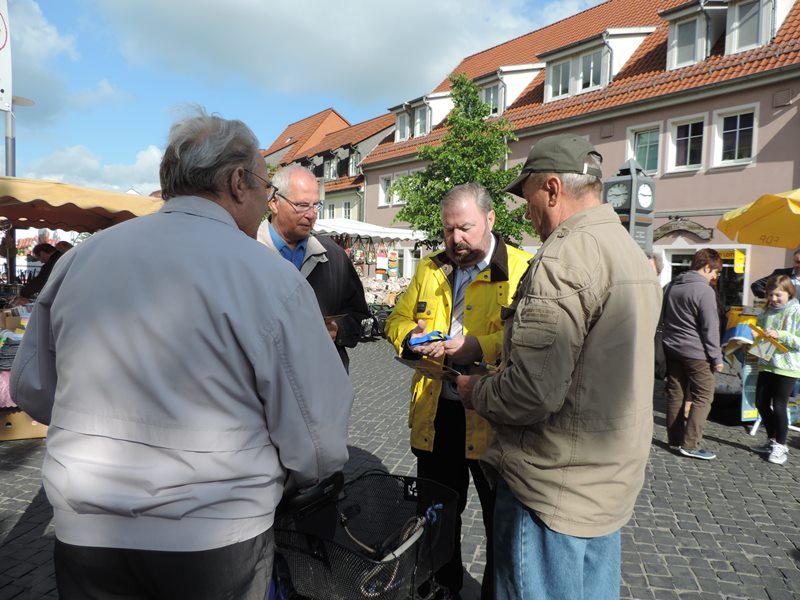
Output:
x=702 y=530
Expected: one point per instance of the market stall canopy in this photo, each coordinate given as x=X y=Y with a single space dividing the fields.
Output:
x=55 y=205
x=364 y=230
x=772 y=220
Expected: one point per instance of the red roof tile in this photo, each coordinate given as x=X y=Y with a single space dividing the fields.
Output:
x=343 y=183
x=644 y=76
x=349 y=135
x=306 y=133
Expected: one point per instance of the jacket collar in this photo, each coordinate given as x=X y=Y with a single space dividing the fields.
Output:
x=201 y=207
x=498 y=265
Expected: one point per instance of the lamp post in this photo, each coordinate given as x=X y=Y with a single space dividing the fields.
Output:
x=11 y=171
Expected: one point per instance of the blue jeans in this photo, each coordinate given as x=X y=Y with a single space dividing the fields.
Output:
x=534 y=562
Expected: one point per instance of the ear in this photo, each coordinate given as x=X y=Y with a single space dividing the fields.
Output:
x=490 y=218
x=238 y=185
x=554 y=188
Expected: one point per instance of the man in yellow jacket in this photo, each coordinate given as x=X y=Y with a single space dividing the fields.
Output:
x=458 y=291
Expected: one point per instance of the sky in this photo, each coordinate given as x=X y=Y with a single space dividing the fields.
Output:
x=109 y=77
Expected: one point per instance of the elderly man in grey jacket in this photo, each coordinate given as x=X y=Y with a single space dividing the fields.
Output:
x=177 y=384
x=691 y=345
x=571 y=403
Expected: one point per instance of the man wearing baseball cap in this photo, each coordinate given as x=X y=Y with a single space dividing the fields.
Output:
x=571 y=404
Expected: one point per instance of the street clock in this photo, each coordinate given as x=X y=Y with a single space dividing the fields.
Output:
x=632 y=194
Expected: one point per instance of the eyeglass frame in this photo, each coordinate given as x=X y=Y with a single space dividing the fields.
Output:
x=270 y=188
x=302 y=208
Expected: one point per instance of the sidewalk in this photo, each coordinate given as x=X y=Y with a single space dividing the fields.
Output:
x=702 y=530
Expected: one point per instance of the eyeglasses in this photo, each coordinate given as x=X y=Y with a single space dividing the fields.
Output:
x=301 y=207
x=269 y=188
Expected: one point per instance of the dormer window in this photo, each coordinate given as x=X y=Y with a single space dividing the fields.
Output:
x=591 y=70
x=355 y=158
x=403 y=129
x=686 y=43
x=745 y=27
x=332 y=168
x=559 y=79
x=491 y=95
x=422 y=121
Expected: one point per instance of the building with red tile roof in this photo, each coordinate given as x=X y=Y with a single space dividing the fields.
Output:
x=702 y=93
x=302 y=135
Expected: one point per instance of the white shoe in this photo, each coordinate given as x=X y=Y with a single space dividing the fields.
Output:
x=779 y=454
x=764 y=448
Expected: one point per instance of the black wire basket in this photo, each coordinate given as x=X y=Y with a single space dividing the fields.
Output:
x=381 y=539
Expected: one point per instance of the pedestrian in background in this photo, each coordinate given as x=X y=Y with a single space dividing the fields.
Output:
x=692 y=347
x=793 y=272
x=571 y=403
x=777 y=377
x=182 y=383
x=459 y=291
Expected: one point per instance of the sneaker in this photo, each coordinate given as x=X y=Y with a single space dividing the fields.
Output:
x=764 y=448
x=674 y=447
x=779 y=454
x=698 y=453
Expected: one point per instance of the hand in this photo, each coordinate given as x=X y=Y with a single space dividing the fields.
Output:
x=718 y=367
x=419 y=331
x=332 y=328
x=773 y=333
x=463 y=350
x=464 y=384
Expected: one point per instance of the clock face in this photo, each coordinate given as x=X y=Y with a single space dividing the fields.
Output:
x=645 y=195
x=617 y=195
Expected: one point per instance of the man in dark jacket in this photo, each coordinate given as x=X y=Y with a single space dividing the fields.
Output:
x=48 y=255
x=324 y=264
x=691 y=344
x=758 y=286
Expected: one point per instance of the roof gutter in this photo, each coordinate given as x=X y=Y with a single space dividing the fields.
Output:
x=604 y=37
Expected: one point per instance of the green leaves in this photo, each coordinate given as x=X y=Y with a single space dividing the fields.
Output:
x=473 y=149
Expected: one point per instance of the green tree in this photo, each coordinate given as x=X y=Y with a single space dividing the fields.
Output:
x=473 y=149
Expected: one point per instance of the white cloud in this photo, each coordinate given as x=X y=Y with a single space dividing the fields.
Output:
x=364 y=51
x=79 y=166
x=103 y=93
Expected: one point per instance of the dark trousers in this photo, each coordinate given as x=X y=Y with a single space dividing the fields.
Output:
x=772 y=398
x=447 y=465
x=697 y=378
x=237 y=572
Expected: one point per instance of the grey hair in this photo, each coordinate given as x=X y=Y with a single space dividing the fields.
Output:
x=796 y=251
x=283 y=176
x=576 y=184
x=470 y=190
x=202 y=153
x=657 y=259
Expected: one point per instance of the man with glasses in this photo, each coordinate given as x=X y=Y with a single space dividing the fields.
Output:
x=175 y=383
x=294 y=206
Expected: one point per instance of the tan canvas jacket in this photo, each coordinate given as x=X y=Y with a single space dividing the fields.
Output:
x=572 y=404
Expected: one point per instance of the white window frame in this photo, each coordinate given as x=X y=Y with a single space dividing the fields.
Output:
x=397 y=200
x=698 y=44
x=551 y=72
x=422 y=121
x=718 y=120
x=672 y=129
x=732 y=44
x=346 y=209
x=331 y=210
x=402 y=127
x=493 y=96
x=352 y=167
x=631 y=142
x=332 y=168
x=579 y=82
x=384 y=181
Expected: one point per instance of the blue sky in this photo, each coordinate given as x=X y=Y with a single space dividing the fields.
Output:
x=109 y=76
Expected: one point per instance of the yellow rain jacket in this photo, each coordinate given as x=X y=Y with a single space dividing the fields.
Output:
x=430 y=297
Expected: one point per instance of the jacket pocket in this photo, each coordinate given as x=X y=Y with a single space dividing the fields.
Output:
x=535 y=325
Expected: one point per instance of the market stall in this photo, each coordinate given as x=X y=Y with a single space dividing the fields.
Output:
x=771 y=220
x=52 y=205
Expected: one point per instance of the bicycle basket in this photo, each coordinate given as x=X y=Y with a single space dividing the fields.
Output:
x=392 y=533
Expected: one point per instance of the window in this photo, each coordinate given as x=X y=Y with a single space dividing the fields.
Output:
x=686 y=41
x=332 y=168
x=645 y=149
x=355 y=158
x=689 y=144
x=491 y=96
x=591 y=66
x=747 y=25
x=383 y=190
x=347 y=209
x=331 y=211
x=737 y=137
x=403 y=131
x=559 y=79
x=396 y=199
x=422 y=124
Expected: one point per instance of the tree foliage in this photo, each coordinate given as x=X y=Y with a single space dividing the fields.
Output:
x=473 y=150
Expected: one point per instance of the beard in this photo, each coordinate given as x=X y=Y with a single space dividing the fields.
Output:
x=464 y=255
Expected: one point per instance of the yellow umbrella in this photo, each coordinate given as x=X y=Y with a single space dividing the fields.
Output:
x=772 y=220
x=54 y=205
